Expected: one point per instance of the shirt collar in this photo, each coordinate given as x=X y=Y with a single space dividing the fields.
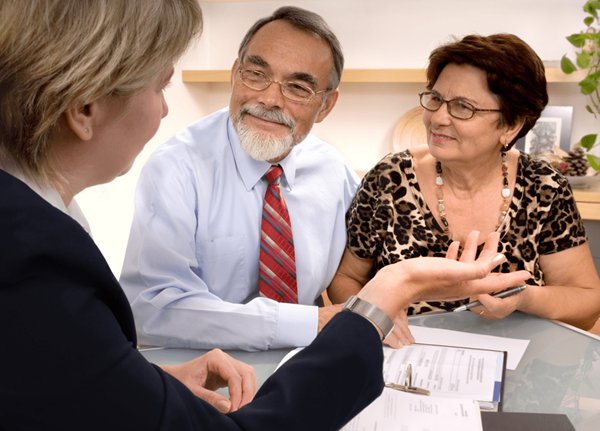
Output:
x=50 y=195
x=252 y=170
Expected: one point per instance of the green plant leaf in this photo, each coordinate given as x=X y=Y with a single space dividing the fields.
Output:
x=588 y=85
x=567 y=65
x=588 y=21
x=583 y=60
x=588 y=141
x=595 y=4
x=594 y=162
x=591 y=6
x=589 y=109
x=577 y=39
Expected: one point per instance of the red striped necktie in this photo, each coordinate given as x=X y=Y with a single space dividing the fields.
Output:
x=277 y=273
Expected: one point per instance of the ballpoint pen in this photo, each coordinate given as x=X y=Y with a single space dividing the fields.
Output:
x=503 y=294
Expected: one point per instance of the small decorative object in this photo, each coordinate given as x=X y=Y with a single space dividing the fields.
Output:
x=575 y=163
x=588 y=58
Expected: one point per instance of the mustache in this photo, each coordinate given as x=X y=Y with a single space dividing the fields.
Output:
x=273 y=115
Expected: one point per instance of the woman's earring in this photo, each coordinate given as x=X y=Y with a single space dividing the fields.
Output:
x=87 y=130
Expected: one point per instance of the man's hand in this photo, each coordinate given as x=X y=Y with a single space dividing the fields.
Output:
x=326 y=313
x=401 y=335
x=215 y=370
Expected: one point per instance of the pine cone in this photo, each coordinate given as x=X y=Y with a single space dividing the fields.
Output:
x=578 y=163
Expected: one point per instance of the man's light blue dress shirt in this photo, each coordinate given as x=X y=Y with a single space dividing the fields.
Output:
x=191 y=266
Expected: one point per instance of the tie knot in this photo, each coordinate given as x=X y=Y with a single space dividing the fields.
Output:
x=274 y=175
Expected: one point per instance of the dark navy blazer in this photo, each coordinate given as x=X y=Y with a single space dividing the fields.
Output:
x=68 y=359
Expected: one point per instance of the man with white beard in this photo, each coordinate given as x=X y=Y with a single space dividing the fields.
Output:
x=202 y=269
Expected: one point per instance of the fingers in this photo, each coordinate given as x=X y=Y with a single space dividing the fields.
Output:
x=249 y=386
x=497 y=282
x=215 y=399
x=490 y=248
x=239 y=378
x=452 y=252
x=470 y=250
x=215 y=370
x=403 y=315
x=496 y=308
x=399 y=337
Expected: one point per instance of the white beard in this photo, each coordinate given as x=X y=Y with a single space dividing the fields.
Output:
x=259 y=146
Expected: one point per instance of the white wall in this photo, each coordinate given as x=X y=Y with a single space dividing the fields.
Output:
x=374 y=34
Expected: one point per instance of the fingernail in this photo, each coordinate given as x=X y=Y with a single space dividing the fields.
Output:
x=499 y=259
x=224 y=406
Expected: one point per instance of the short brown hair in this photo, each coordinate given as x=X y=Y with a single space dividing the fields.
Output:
x=56 y=54
x=515 y=74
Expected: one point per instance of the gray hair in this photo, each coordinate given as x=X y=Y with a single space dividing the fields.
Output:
x=305 y=20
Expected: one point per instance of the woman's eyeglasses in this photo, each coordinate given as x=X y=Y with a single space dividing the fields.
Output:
x=457 y=108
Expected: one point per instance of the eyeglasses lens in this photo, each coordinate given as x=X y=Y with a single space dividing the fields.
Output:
x=291 y=90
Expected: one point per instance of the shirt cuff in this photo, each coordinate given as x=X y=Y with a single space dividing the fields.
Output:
x=296 y=325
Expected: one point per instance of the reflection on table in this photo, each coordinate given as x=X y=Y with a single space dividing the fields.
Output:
x=559 y=372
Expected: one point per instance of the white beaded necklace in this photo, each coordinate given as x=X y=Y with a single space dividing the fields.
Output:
x=440 y=195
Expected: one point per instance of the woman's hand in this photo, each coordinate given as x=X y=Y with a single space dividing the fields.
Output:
x=492 y=308
x=428 y=278
x=215 y=370
x=401 y=335
x=495 y=308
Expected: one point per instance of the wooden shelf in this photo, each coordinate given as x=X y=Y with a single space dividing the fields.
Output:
x=370 y=75
x=588 y=202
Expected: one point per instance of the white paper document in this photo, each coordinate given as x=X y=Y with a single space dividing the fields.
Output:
x=515 y=348
x=449 y=372
x=399 y=411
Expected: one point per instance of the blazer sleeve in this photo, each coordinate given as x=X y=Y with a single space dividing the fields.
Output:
x=325 y=385
x=69 y=360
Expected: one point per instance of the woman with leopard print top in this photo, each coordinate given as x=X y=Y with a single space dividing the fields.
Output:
x=483 y=94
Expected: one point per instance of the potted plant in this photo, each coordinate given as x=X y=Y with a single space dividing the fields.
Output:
x=588 y=58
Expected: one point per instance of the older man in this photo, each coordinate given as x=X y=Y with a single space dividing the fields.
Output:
x=239 y=219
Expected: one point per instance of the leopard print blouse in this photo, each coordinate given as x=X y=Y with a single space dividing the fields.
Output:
x=389 y=220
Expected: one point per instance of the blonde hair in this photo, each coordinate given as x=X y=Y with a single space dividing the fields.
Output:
x=56 y=54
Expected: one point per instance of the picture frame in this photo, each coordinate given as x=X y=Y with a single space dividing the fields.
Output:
x=552 y=128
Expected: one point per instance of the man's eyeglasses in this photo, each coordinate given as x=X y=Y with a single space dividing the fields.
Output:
x=293 y=90
x=459 y=109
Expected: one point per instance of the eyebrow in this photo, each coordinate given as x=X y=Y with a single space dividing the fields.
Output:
x=257 y=60
x=461 y=98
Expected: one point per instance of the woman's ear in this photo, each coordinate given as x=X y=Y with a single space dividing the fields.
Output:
x=80 y=119
x=511 y=132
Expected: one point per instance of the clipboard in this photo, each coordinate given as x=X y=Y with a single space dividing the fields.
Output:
x=445 y=371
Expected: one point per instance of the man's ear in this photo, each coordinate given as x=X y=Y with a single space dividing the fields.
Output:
x=80 y=119
x=332 y=98
x=234 y=69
